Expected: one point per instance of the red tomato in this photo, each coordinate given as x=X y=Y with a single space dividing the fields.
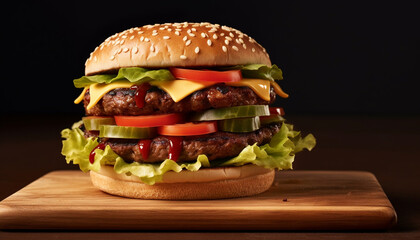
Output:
x=276 y=111
x=149 y=120
x=188 y=129
x=207 y=75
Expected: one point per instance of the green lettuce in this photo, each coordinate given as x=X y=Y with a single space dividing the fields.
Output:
x=260 y=71
x=278 y=154
x=132 y=74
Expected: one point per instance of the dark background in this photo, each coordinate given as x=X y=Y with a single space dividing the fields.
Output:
x=351 y=69
x=338 y=57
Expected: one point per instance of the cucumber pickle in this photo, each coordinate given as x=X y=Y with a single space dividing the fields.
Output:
x=240 y=125
x=114 y=131
x=245 y=111
x=93 y=123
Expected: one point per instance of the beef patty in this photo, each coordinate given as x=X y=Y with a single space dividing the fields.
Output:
x=121 y=101
x=216 y=145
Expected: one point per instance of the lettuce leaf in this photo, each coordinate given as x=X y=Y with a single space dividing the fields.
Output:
x=260 y=71
x=132 y=74
x=278 y=154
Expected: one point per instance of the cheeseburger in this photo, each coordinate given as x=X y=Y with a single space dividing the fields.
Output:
x=181 y=111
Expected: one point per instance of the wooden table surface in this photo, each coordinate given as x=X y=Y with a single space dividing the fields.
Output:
x=387 y=146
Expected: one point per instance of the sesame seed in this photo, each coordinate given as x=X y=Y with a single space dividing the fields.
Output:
x=197 y=50
x=122 y=42
x=112 y=57
x=140 y=32
x=132 y=36
x=224 y=48
x=231 y=34
x=226 y=28
x=191 y=34
x=188 y=42
x=203 y=35
x=215 y=36
x=169 y=29
x=135 y=50
x=228 y=38
x=166 y=37
x=209 y=42
x=184 y=38
x=154 y=34
x=222 y=34
x=124 y=36
x=244 y=46
x=212 y=30
x=146 y=39
x=152 y=48
x=193 y=29
x=141 y=38
x=183 y=57
x=125 y=50
x=253 y=49
x=119 y=51
x=177 y=33
x=237 y=41
x=226 y=42
x=235 y=48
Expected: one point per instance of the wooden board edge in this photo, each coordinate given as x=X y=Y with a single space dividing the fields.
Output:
x=363 y=218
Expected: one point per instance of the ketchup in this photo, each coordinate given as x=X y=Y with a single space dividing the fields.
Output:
x=144 y=147
x=92 y=153
x=140 y=94
x=175 y=147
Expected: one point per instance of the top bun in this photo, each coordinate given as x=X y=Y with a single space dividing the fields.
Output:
x=176 y=45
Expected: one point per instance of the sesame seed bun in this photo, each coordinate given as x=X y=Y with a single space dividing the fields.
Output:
x=176 y=44
x=207 y=183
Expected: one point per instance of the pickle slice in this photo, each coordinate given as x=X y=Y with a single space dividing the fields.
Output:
x=114 y=131
x=93 y=123
x=232 y=112
x=271 y=119
x=240 y=125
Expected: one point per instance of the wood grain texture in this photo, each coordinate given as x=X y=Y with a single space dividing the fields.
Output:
x=298 y=200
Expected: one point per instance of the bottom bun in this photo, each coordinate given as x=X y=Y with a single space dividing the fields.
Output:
x=207 y=183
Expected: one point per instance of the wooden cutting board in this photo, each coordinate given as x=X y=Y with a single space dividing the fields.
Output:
x=298 y=200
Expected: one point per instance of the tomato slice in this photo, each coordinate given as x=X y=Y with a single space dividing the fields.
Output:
x=149 y=120
x=188 y=129
x=277 y=111
x=207 y=75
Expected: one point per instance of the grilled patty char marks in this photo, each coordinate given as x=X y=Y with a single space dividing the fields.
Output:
x=216 y=145
x=121 y=101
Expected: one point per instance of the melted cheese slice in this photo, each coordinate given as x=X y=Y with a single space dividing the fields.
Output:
x=98 y=90
x=179 y=89
x=259 y=86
